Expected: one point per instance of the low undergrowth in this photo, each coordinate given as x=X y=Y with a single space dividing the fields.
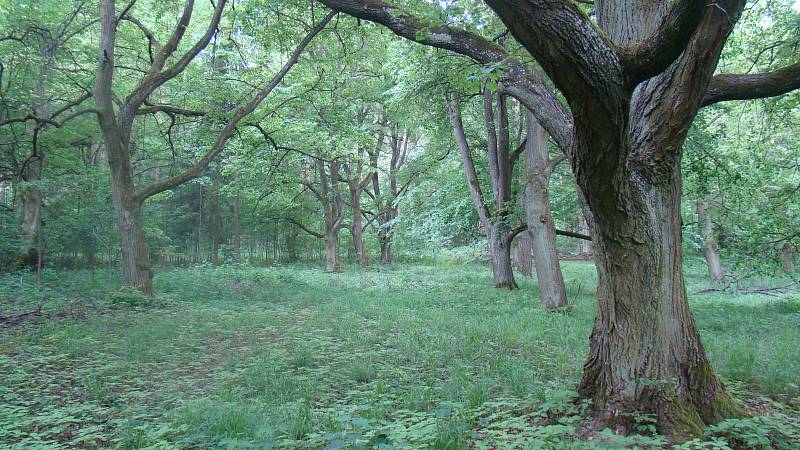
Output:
x=400 y=357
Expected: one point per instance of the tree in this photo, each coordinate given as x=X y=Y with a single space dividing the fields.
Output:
x=633 y=82
x=333 y=208
x=710 y=247
x=542 y=230
x=496 y=222
x=356 y=184
x=117 y=125
x=386 y=200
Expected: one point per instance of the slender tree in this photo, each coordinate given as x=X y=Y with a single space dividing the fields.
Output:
x=356 y=184
x=710 y=247
x=542 y=230
x=386 y=198
x=496 y=222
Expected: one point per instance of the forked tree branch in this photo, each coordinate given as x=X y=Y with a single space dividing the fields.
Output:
x=197 y=169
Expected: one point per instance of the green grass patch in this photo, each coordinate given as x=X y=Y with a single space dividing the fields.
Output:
x=399 y=357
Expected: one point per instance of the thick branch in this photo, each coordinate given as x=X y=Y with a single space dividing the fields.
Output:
x=578 y=57
x=307 y=230
x=661 y=48
x=156 y=76
x=726 y=87
x=169 y=109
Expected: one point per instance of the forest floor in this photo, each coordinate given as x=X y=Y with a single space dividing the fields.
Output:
x=410 y=356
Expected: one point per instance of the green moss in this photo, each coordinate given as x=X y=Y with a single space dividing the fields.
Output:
x=681 y=422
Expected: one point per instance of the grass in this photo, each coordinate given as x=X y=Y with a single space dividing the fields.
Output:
x=410 y=356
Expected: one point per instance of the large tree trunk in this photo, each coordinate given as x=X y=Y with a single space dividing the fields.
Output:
x=136 y=269
x=710 y=247
x=540 y=218
x=645 y=351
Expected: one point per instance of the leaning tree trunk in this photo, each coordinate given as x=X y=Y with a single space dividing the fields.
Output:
x=645 y=351
x=540 y=218
x=710 y=247
x=500 y=236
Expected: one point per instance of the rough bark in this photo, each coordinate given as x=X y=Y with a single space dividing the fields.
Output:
x=521 y=254
x=541 y=228
x=710 y=247
x=645 y=352
x=500 y=237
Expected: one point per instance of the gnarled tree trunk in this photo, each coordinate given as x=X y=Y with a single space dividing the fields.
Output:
x=632 y=88
x=136 y=269
x=500 y=236
x=645 y=351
